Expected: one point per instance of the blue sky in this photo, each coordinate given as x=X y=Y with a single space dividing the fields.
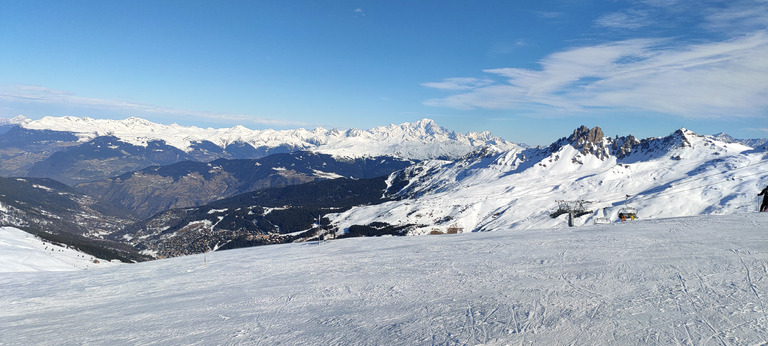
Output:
x=528 y=71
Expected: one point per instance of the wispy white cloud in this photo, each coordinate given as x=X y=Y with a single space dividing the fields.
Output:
x=632 y=19
x=662 y=3
x=459 y=83
x=36 y=94
x=713 y=80
x=731 y=17
x=737 y=15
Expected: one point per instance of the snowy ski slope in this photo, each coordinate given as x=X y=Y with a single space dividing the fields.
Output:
x=696 y=280
x=23 y=252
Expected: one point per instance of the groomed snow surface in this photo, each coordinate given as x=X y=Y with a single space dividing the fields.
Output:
x=695 y=280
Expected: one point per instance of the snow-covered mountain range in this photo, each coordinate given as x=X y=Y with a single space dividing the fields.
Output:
x=79 y=150
x=596 y=176
x=461 y=183
x=420 y=140
x=683 y=174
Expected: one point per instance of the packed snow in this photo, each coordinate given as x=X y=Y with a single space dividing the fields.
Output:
x=23 y=252
x=695 y=280
x=420 y=140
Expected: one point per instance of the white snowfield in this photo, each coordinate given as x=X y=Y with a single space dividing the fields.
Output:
x=695 y=280
x=420 y=140
x=23 y=252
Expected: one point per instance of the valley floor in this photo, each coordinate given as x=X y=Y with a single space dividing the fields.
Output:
x=697 y=280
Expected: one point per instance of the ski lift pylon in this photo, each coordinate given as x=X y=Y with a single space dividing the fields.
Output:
x=574 y=209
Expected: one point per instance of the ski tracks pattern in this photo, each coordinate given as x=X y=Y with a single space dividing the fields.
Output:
x=657 y=282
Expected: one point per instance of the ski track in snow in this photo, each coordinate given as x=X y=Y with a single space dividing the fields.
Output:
x=696 y=280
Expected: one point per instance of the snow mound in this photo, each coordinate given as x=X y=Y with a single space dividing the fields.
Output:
x=698 y=280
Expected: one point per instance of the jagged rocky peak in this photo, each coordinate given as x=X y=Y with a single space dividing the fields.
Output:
x=683 y=134
x=679 y=139
x=589 y=141
x=583 y=135
x=622 y=146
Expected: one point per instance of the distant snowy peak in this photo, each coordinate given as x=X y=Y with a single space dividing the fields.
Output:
x=423 y=139
x=423 y=127
x=685 y=143
x=754 y=142
x=132 y=130
x=724 y=137
x=420 y=140
x=19 y=119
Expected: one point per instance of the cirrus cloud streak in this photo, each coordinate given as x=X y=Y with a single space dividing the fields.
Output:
x=42 y=95
x=702 y=80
